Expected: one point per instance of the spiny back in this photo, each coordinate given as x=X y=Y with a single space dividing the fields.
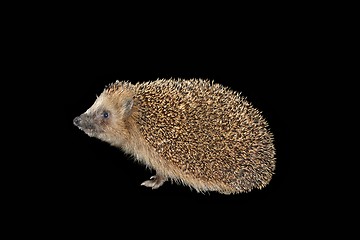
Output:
x=207 y=131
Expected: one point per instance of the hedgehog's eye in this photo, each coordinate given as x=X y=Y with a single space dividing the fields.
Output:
x=105 y=114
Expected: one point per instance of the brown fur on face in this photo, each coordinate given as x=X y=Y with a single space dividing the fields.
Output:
x=109 y=117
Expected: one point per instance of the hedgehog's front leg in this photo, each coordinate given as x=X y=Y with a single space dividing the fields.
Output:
x=155 y=181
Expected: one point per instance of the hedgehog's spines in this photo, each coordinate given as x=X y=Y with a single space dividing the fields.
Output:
x=195 y=132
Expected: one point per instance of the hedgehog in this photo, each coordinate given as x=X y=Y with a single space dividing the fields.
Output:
x=193 y=132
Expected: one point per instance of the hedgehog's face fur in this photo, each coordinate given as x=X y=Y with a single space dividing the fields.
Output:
x=107 y=118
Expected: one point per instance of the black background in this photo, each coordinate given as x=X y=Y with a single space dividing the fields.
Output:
x=74 y=180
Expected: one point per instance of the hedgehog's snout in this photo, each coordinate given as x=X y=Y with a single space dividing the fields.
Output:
x=77 y=121
x=85 y=123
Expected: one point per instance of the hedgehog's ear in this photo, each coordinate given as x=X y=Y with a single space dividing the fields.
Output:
x=127 y=106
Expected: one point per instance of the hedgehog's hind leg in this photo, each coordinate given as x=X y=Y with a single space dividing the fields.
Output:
x=155 y=181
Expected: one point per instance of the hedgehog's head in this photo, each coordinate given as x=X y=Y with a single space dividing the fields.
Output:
x=107 y=119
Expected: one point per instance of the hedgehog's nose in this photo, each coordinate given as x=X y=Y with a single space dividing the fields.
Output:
x=77 y=121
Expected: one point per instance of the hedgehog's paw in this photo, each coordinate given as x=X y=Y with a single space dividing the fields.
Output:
x=154 y=182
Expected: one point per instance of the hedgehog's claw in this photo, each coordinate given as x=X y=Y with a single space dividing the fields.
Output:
x=154 y=182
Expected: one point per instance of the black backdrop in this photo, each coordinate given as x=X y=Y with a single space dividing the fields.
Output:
x=85 y=181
